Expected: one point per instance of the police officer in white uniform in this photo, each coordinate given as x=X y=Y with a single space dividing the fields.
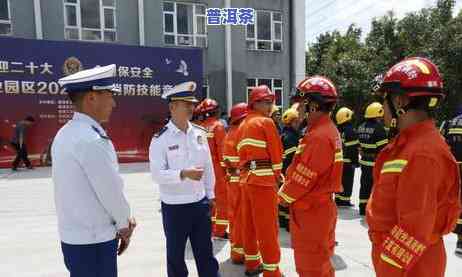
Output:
x=93 y=213
x=182 y=167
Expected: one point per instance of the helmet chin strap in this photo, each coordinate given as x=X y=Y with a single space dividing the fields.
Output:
x=395 y=115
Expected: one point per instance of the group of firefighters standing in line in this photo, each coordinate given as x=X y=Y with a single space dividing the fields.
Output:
x=410 y=185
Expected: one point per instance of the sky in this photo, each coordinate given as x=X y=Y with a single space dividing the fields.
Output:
x=328 y=15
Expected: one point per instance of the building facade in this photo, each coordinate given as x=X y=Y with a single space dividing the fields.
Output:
x=236 y=58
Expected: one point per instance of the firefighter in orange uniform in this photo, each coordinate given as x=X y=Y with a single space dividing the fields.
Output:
x=415 y=197
x=231 y=160
x=312 y=179
x=260 y=159
x=216 y=135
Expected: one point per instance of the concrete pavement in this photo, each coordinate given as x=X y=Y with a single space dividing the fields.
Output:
x=29 y=243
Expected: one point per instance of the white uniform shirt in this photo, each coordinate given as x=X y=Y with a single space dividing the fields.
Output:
x=173 y=150
x=89 y=197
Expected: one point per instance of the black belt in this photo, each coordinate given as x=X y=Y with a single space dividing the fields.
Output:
x=233 y=171
x=258 y=164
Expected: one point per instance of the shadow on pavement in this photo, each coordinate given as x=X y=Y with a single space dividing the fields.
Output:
x=22 y=173
x=338 y=263
x=363 y=223
x=348 y=213
x=228 y=269
x=45 y=172
x=218 y=245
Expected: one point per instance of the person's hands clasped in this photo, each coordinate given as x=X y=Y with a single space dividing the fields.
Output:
x=194 y=173
x=124 y=235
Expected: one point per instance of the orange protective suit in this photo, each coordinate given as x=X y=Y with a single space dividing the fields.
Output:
x=231 y=161
x=260 y=158
x=414 y=202
x=312 y=179
x=216 y=135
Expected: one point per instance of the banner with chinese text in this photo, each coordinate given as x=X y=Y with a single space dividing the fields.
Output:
x=29 y=70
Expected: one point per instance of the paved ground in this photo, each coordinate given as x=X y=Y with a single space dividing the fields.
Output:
x=29 y=241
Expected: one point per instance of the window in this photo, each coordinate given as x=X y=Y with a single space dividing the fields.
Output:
x=90 y=20
x=5 y=17
x=276 y=85
x=266 y=34
x=185 y=24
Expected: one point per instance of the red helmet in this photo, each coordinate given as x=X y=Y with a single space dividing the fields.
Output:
x=238 y=112
x=318 y=87
x=208 y=105
x=414 y=77
x=197 y=110
x=260 y=93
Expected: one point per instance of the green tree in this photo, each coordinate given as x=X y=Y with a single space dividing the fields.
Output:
x=352 y=64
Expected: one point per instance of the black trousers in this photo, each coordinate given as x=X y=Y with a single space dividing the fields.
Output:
x=366 y=187
x=347 y=181
x=21 y=155
x=91 y=260
x=189 y=221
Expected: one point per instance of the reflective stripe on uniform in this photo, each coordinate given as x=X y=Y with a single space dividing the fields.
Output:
x=252 y=257
x=283 y=214
x=222 y=164
x=238 y=250
x=210 y=135
x=300 y=148
x=233 y=159
x=347 y=160
x=388 y=260
x=338 y=156
x=221 y=222
x=459 y=221
x=351 y=143
x=262 y=172
x=277 y=166
x=382 y=142
x=270 y=267
x=363 y=201
x=287 y=198
x=455 y=131
x=395 y=166
x=290 y=150
x=234 y=179
x=251 y=142
x=343 y=198
x=213 y=219
x=368 y=146
x=366 y=163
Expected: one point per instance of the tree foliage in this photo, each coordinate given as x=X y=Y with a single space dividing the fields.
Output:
x=353 y=63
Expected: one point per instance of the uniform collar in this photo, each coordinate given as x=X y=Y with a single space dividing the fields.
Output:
x=176 y=130
x=323 y=119
x=414 y=131
x=255 y=113
x=87 y=119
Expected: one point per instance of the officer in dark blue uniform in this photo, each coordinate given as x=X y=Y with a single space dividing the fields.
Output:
x=453 y=134
x=372 y=138
x=350 y=144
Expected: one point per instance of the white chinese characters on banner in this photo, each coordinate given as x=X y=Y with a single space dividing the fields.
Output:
x=135 y=72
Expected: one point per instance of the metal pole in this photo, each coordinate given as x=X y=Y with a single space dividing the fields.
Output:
x=229 y=64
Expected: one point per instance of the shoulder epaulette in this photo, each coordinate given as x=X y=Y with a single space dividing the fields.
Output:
x=99 y=133
x=161 y=131
x=199 y=127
